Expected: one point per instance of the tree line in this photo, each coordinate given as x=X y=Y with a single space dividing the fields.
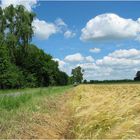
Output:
x=108 y=81
x=136 y=78
x=23 y=64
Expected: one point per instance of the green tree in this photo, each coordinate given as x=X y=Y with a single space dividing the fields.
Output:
x=85 y=81
x=2 y=22
x=77 y=75
x=11 y=39
x=23 y=64
x=62 y=78
x=137 y=78
x=70 y=80
x=10 y=76
x=4 y=66
x=24 y=29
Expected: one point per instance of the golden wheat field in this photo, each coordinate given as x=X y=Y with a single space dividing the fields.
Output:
x=106 y=111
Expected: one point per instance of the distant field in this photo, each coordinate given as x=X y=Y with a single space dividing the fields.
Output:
x=98 y=111
x=116 y=82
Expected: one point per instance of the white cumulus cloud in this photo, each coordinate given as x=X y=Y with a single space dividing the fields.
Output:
x=60 y=22
x=89 y=59
x=88 y=66
x=74 y=57
x=77 y=57
x=43 y=29
x=121 y=59
x=120 y=64
x=131 y=53
x=69 y=34
x=123 y=63
x=110 y=26
x=95 y=50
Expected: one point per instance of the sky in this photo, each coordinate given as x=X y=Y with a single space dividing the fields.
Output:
x=103 y=37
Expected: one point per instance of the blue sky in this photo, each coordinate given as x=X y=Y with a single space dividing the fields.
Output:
x=102 y=37
x=76 y=15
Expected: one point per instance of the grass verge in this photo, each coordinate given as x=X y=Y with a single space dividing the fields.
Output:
x=16 y=112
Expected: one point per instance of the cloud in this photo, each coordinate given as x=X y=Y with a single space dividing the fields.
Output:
x=28 y=4
x=69 y=34
x=110 y=27
x=95 y=50
x=123 y=63
x=89 y=59
x=60 y=22
x=120 y=64
x=63 y=28
x=74 y=57
x=43 y=29
x=131 y=53
x=77 y=57
x=121 y=59
x=88 y=66
x=74 y=60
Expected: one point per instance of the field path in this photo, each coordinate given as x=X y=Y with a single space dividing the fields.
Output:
x=54 y=124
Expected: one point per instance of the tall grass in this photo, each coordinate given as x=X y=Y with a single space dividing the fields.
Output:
x=9 y=102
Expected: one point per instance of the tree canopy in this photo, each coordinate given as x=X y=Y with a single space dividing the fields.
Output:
x=23 y=64
x=77 y=75
x=137 y=78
